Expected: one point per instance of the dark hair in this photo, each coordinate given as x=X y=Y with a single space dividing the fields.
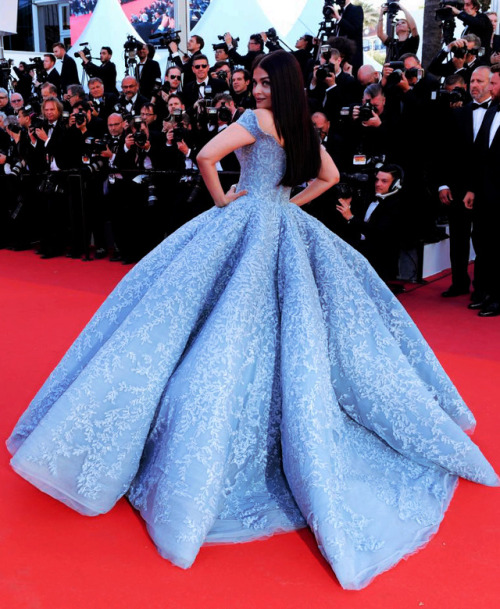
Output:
x=292 y=120
x=257 y=38
x=476 y=4
x=409 y=56
x=346 y=47
x=107 y=49
x=374 y=90
x=220 y=64
x=59 y=45
x=199 y=40
x=246 y=73
x=395 y=171
x=455 y=79
x=51 y=57
x=495 y=68
x=200 y=56
x=225 y=97
x=309 y=41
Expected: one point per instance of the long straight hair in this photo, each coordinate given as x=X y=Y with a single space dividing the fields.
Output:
x=292 y=118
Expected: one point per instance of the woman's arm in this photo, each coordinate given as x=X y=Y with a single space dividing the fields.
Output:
x=411 y=22
x=235 y=136
x=328 y=176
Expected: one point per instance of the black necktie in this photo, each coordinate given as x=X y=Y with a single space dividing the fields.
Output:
x=484 y=105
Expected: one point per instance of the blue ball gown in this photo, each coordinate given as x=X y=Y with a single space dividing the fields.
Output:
x=251 y=375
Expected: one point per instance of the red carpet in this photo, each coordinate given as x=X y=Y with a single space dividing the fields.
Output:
x=53 y=558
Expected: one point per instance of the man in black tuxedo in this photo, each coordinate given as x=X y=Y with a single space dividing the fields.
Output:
x=50 y=74
x=196 y=90
x=106 y=71
x=194 y=48
x=483 y=194
x=350 y=24
x=460 y=134
x=374 y=227
x=475 y=22
x=147 y=71
x=102 y=103
x=130 y=99
x=69 y=72
x=255 y=47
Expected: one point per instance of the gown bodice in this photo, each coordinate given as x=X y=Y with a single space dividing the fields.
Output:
x=262 y=164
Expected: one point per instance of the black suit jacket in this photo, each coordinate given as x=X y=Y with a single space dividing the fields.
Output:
x=484 y=179
x=106 y=72
x=190 y=91
x=149 y=72
x=351 y=26
x=69 y=73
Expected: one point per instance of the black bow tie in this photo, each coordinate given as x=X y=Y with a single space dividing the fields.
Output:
x=378 y=199
x=484 y=105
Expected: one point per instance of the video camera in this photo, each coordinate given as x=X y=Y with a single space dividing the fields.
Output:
x=456 y=95
x=446 y=16
x=161 y=40
x=36 y=64
x=86 y=51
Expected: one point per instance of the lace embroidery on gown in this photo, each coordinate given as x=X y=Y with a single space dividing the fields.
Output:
x=251 y=375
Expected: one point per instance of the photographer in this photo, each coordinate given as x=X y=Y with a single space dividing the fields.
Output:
x=74 y=94
x=463 y=61
x=241 y=90
x=460 y=131
x=350 y=25
x=48 y=90
x=69 y=72
x=475 y=22
x=374 y=227
x=106 y=71
x=255 y=48
x=5 y=106
x=130 y=101
x=304 y=54
x=222 y=71
x=367 y=75
x=147 y=71
x=24 y=80
x=102 y=103
x=49 y=73
x=195 y=46
x=407 y=39
x=197 y=89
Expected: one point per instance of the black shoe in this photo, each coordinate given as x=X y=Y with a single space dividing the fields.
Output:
x=48 y=255
x=116 y=258
x=491 y=309
x=478 y=302
x=100 y=253
x=454 y=291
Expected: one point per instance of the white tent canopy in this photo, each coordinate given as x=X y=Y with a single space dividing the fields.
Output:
x=108 y=26
x=290 y=19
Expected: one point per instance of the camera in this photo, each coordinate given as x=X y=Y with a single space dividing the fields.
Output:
x=392 y=8
x=366 y=111
x=140 y=137
x=224 y=113
x=221 y=75
x=234 y=41
x=454 y=96
x=38 y=122
x=80 y=117
x=86 y=51
x=272 y=36
x=443 y=12
x=324 y=71
x=161 y=40
x=132 y=45
x=396 y=76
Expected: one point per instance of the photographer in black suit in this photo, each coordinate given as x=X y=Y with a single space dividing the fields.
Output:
x=475 y=22
x=69 y=72
x=131 y=100
x=483 y=194
x=196 y=89
x=460 y=134
x=194 y=48
x=350 y=25
x=106 y=71
x=375 y=228
x=147 y=71
x=255 y=47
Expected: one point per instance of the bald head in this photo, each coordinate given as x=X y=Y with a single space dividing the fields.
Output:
x=367 y=75
x=479 y=84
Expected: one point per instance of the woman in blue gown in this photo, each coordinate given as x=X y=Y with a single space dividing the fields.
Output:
x=253 y=374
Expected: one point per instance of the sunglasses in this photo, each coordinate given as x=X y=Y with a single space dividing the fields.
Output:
x=173 y=77
x=201 y=66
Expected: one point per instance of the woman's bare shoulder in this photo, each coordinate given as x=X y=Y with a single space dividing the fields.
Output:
x=265 y=118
